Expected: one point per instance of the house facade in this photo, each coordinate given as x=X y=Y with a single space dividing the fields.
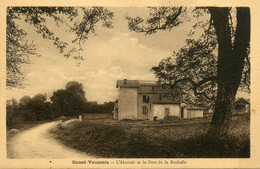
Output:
x=146 y=100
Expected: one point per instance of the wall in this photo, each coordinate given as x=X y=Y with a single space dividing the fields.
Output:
x=97 y=116
x=159 y=110
x=127 y=103
x=194 y=113
x=185 y=112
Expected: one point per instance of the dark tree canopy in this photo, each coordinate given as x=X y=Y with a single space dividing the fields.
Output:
x=40 y=98
x=18 y=50
x=70 y=101
x=25 y=100
x=28 y=110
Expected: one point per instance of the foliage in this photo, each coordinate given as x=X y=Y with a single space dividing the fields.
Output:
x=28 y=110
x=19 y=51
x=161 y=18
x=71 y=101
x=25 y=100
x=105 y=108
x=13 y=118
x=192 y=70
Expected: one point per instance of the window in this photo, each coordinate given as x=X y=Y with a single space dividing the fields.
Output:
x=145 y=110
x=147 y=99
x=182 y=112
x=144 y=98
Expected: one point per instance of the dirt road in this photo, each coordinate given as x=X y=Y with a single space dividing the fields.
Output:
x=38 y=143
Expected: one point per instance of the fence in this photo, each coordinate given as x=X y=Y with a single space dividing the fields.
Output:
x=97 y=116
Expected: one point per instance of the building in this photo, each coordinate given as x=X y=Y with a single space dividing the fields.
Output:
x=241 y=106
x=143 y=100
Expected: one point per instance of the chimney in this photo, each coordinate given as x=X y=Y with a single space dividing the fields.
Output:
x=125 y=81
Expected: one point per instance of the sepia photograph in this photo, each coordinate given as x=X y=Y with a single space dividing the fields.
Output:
x=128 y=82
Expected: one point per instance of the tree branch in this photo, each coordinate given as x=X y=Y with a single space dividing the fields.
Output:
x=195 y=85
x=134 y=24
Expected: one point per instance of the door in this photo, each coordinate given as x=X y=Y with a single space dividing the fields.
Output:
x=167 y=112
x=182 y=113
x=116 y=114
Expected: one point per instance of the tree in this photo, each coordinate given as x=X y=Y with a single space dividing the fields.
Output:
x=70 y=101
x=76 y=88
x=25 y=100
x=233 y=51
x=39 y=108
x=40 y=98
x=12 y=102
x=95 y=108
x=13 y=118
x=192 y=71
x=59 y=101
x=82 y=22
x=231 y=59
x=34 y=109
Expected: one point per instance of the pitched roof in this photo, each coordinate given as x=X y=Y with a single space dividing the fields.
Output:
x=127 y=83
x=136 y=83
x=241 y=101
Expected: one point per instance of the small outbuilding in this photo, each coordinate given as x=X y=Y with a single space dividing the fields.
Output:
x=241 y=106
x=194 y=112
x=161 y=110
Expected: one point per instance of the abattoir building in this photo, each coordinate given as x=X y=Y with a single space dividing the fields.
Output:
x=143 y=100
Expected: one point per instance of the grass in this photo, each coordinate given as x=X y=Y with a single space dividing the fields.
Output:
x=147 y=139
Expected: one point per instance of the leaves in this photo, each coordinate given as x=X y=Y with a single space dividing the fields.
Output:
x=19 y=51
x=191 y=70
x=70 y=101
x=160 y=18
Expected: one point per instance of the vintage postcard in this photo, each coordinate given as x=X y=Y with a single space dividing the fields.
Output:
x=129 y=84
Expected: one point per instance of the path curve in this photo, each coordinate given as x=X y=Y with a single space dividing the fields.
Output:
x=38 y=143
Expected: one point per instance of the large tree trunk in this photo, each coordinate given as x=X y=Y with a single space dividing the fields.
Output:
x=231 y=56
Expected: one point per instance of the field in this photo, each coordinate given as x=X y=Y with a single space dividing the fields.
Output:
x=169 y=138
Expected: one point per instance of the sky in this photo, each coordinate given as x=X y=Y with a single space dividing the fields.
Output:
x=110 y=55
